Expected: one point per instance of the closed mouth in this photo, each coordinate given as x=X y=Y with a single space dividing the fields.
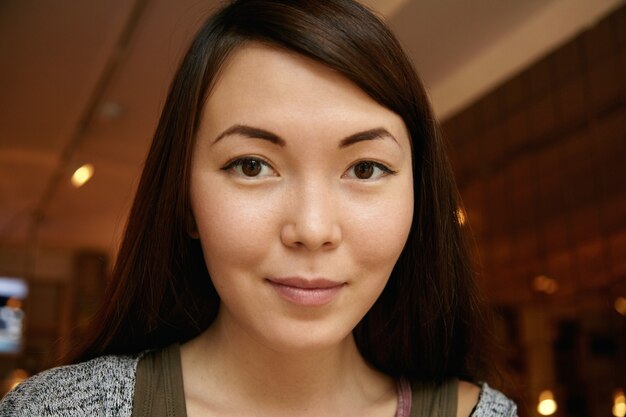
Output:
x=306 y=292
x=306 y=284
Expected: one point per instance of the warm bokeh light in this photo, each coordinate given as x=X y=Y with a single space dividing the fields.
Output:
x=544 y=284
x=14 y=303
x=547 y=405
x=620 y=305
x=460 y=216
x=619 y=403
x=82 y=175
x=16 y=377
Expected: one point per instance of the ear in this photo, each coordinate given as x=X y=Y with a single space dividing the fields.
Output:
x=192 y=228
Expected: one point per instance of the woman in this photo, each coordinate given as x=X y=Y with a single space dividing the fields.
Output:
x=293 y=247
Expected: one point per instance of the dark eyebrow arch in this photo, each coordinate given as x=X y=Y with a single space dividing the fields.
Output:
x=250 y=132
x=372 y=134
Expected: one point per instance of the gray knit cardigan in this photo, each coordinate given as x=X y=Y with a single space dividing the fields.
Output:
x=105 y=386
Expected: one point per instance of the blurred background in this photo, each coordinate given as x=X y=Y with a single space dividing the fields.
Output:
x=532 y=98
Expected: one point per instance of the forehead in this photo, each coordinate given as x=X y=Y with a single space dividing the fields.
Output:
x=258 y=66
x=263 y=84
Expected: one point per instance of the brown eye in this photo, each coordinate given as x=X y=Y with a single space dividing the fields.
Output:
x=368 y=171
x=250 y=167
x=364 y=170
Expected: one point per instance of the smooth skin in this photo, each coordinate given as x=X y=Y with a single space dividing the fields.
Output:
x=296 y=173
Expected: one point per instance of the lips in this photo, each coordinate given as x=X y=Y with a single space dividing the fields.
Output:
x=306 y=292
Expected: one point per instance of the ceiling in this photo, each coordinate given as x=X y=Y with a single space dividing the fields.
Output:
x=84 y=81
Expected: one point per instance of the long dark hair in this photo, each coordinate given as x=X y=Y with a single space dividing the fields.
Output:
x=427 y=324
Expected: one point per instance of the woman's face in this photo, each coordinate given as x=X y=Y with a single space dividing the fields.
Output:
x=302 y=195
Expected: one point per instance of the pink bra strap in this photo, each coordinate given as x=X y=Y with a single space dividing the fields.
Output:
x=404 y=398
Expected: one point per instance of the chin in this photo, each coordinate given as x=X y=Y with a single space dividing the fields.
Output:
x=306 y=337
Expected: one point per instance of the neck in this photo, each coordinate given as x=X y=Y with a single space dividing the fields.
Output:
x=232 y=362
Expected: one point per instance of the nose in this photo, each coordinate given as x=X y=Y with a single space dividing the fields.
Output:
x=312 y=219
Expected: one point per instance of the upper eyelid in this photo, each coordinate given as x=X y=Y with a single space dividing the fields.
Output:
x=241 y=158
x=379 y=164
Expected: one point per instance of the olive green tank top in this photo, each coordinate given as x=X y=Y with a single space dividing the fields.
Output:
x=159 y=390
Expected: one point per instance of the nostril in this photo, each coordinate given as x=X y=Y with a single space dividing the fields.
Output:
x=311 y=236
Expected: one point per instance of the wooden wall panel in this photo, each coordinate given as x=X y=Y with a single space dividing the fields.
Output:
x=551 y=198
x=560 y=266
x=514 y=95
x=542 y=171
x=501 y=252
x=591 y=265
x=568 y=64
x=618 y=23
x=541 y=164
x=527 y=247
x=581 y=179
x=556 y=235
x=611 y=133
x=489 y=109
x=603 y=82
x=613 y=214
x=523 y=189
x=517 y=132
x=616 y=250
x=570 y=105
x=600 y=42
x=542 y=113
x=539 y=79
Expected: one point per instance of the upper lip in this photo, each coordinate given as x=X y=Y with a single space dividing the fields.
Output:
x=306 y=283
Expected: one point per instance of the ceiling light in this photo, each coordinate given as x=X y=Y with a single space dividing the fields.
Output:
x=619 y=403
x=547 y=406
x=82 y=175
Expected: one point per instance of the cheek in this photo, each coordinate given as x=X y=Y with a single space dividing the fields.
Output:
x=377 y=233
x=233 y=232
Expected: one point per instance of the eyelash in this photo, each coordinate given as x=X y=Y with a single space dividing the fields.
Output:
x=385 y=170
x=238 y=163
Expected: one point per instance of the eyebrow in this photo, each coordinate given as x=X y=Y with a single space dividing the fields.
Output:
x=258 y=133
x=372 y=134
x=251 y=132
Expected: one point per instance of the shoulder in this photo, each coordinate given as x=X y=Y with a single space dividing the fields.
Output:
x=103 y=386
x=468 y=395
x=493 y=403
